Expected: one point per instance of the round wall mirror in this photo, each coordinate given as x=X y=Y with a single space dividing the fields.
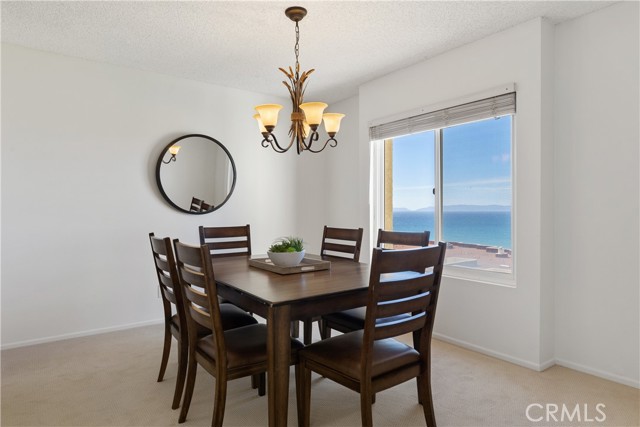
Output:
x=196 y=174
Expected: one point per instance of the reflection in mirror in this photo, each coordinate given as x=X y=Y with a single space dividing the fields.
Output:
x=196 y=174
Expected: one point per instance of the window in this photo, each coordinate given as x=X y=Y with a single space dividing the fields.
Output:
x=453 y=180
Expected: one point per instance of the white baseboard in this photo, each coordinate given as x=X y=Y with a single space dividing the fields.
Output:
x=79 y=334
x=542 y=366
x=546 y=365
x=521 y=362
x=599 y=373
x=496 y=354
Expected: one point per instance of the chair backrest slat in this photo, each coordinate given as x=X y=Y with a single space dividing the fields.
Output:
x=405 y=288
x=402 y=238
x=338 y=247
x=220 y=232
x=170 y=295
x=162 y=264
x=195 y=296
x=194 y=278
x=400 y=327
x=417 y=261
x=219 y=246
x=166 y=281
x=405 y=305
x=342 y=241
x=342 y=233
x=200 y=316
x=226 y=241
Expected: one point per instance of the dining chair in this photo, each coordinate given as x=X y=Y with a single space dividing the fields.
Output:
x=337 y=244
x=196 y=205
x=226 y=241
x=225 y=354
x=175 y=324
x=341 y=243
x=353 y=319
x=402 y=282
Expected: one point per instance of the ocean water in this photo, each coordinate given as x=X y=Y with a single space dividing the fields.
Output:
x=484 y=228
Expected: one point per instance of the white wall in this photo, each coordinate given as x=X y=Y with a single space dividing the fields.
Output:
x=499 y=320
x=596 y=216
x=576 y=185
x=80 y=142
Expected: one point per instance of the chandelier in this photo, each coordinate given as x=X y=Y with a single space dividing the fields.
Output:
x=305 y=116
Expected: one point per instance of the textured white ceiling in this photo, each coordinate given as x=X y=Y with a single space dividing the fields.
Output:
x=241 y=44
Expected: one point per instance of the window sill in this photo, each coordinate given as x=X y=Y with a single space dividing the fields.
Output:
x=480 y=276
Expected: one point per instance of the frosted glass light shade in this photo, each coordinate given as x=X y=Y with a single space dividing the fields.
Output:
x=269 y=114
x=332 y=122
x=313 y=112
x=260 y=125
x=173 y=150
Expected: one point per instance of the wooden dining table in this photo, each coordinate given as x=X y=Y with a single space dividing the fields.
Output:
x=283 y=298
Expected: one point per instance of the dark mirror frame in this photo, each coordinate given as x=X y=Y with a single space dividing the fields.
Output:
x=166 y=150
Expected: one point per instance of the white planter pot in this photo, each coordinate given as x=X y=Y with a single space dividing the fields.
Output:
x=286 y=259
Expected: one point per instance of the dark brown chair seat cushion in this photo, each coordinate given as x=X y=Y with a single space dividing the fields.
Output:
x=353 y=319
x=388 y=354
x=235 y=317
x=246 y=345
x=231 y=315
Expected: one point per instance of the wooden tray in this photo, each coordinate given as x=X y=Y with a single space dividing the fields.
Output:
x=305 y=266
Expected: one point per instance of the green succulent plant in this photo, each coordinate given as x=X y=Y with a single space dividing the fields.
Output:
x=287 y=244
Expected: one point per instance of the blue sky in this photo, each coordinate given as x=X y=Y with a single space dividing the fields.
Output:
x=476 y=166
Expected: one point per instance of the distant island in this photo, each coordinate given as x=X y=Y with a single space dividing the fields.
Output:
x=461 y=208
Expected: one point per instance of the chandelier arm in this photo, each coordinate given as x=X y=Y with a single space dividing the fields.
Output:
x=274 y=144
x=268 y=142
x=302 y=145
x=331 y=142
x=314 y=136
x=281 y=148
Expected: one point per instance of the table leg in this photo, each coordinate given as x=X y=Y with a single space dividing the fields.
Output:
x=279 y=353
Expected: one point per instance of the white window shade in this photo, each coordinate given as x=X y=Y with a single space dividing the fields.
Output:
x=494 y=106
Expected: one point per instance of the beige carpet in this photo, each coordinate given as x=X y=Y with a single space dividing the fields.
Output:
x=110 y=380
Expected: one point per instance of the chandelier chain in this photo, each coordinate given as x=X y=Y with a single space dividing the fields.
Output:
x=296 y=48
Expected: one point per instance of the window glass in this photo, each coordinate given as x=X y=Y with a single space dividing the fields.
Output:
x=476 y=194
x=475 y=190
x=413 y=182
